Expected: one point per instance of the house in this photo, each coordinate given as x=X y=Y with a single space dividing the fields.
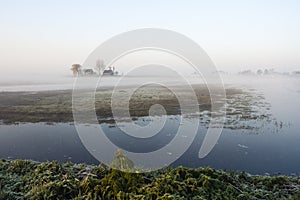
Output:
x=88 y=72
x=297 y=72
x=110 y=72
x=78 y=70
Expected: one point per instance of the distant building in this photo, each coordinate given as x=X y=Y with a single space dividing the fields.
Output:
x=78 y=70
x=259 y=72
x=246 y=72
x=296 y=72
x=88 y=72
x=108 y=72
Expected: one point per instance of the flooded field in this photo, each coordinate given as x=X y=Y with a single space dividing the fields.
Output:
x=260 y=135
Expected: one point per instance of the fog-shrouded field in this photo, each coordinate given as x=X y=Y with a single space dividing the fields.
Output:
x=43 y=82
x=150 y=100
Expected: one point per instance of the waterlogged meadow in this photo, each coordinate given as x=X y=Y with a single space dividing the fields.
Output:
x=256 y=157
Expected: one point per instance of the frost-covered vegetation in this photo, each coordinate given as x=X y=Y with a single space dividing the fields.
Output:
x=24 y=179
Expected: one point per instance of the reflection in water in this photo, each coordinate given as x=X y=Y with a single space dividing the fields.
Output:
x=42 y=142
x=237 y=149
x=260 y=136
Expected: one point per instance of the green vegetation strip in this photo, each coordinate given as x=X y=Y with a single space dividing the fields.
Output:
x=24 y=179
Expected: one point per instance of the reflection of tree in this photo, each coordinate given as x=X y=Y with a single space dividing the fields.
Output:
x=76 y=68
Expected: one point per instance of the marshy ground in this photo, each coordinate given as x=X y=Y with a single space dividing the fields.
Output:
x=56 y=106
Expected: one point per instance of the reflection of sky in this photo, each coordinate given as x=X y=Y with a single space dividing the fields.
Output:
x=268 y=149
x=48 y=36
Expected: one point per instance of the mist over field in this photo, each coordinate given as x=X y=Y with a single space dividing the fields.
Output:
x=150 y=99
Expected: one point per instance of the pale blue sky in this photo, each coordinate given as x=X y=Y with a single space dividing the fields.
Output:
x=51 y=35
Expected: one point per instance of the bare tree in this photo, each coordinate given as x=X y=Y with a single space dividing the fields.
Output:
x=100 y=66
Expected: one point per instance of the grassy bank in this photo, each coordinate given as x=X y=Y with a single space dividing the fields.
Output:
x=24 y=179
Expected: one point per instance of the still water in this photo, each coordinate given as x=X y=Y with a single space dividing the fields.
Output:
x=272 y=146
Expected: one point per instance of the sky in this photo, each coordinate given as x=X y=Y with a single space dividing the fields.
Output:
x=49 y=36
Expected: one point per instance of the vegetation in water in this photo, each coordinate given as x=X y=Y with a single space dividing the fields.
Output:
x=56 y=106
x=244 y=109
x=24 y=179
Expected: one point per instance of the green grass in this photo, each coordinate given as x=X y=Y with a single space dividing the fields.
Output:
x=23 y=179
